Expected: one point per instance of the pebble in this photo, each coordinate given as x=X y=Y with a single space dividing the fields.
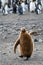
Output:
x=35 y=40
x=40 y=40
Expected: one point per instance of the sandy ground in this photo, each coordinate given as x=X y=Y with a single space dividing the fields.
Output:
x=9 y=30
